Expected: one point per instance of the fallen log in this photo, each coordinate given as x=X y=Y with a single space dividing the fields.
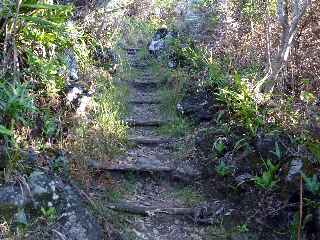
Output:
x=198 y=215
x=149 y=210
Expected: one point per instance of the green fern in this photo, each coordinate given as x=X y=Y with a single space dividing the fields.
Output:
x=312 y=183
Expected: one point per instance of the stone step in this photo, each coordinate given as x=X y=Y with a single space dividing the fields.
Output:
x=143 y=140
x=148 y=165
x=145 y=123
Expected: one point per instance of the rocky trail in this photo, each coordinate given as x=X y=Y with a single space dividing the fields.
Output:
x=155 y=211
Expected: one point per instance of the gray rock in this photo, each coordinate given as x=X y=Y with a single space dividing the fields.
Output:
x=20 y=217
x=295 y=169
x=243 y=178
x=74 y=94
x=74 y=221
x=84 y=104
x=265 y=145
x=13 y=198
x=40 y=185
x=156 y=45
x=188 y=172
x=72 y=65
x=160 y=42
x=78 y=225
x=197 y=106
x=147 y=163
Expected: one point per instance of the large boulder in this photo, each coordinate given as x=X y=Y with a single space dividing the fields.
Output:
x=12 y=198
x=75 y=222
x=23 y=201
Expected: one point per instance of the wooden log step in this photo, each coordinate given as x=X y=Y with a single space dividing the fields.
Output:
x=139 y=66
x=147 y=168
x=142 y=140
x=145 y=123
x=144 y=83
x=149 y=210
x=206 y=214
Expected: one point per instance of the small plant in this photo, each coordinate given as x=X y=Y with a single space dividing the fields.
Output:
x=178 y=127
x=5 y=131
x=50 y=126
x=223 y=169
x=50 y=213
x=219 y=146
x=277 y=152
x=242 y=228
x=268 y=180
x=242 y=143
x=293 y=227
x=189 y=196
x=216 y=77
x=314 y=148
x=312 y=183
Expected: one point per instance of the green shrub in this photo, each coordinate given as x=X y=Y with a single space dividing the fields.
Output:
x=5 y=131
x=241 y=104
x=206 y=3
x=216 y=76
x=15 y=102
x=187 y=54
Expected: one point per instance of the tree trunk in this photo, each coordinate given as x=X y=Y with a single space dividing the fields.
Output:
x=288 y=32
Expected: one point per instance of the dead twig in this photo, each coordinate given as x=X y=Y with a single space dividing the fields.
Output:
x=300 y=210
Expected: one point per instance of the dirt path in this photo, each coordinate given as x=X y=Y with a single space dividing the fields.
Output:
x=159 y=197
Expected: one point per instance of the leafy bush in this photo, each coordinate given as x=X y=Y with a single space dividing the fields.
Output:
x=187 y=54
x=199 y=62
x=240 y=102
x=206 y=3
x=15 y=102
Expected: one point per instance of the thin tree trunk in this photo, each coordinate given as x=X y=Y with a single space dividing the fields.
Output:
x=289 y=30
